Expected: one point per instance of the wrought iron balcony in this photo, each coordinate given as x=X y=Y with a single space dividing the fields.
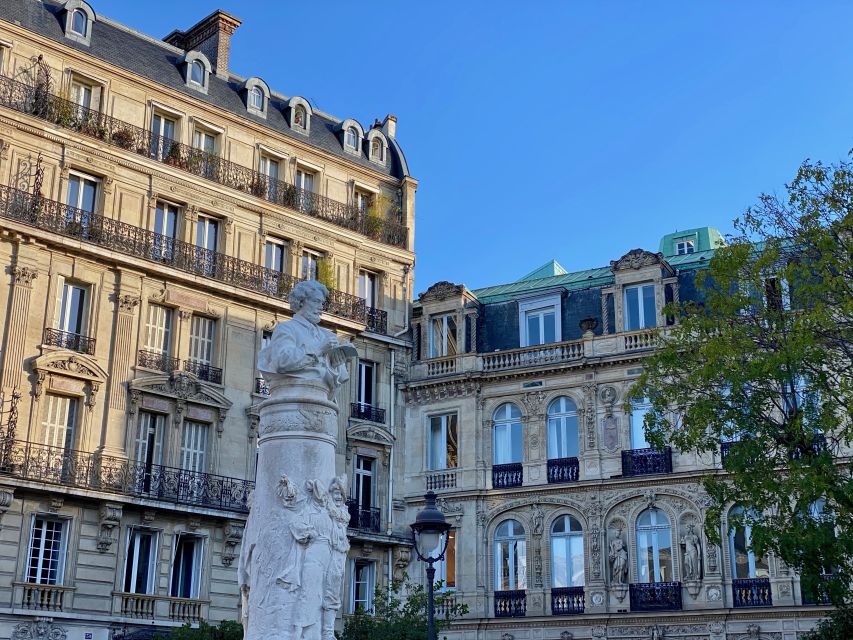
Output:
x=203 y=371
x=364 y=518
x=563 y=470
x=507 y=475
x=752 y=592
x=659 y=596
x=384 y=226
x=59 y=218
x=71 y=468
x=566 y=601
x=820 y=595
x=262 y=387
x=510 y=604
x=367 y=412
x=157 y=360
x=66 y=340
x=377 y=320
x=641 y=462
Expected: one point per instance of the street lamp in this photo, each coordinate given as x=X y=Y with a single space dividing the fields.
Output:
x=429 y=531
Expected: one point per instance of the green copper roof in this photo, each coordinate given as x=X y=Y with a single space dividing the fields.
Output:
x=702 y=238
x=547 y=270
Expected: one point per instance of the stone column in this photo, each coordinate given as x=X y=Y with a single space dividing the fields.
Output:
x=113 y=440
x=16 y=327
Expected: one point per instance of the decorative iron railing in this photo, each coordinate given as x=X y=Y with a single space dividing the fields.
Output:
x=157 y=360
x=641 y=462
x=752 y=592
x=566 y=601
x=384 y=226
x=203 y=371
x=510 y=604
x=507 y=475
x=377 y=320
x=262 y=387
x=71 y=468
x=820 y=594
x=70 y=222
x=367 y=412
x=364 y=518
x=563 y=470
x=659 y=596
x=67 y=340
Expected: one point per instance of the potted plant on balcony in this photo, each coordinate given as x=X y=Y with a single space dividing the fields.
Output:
x=258 y=186
x=374 y=222
x=173 y=157
x=326 y=272
x=123 y=138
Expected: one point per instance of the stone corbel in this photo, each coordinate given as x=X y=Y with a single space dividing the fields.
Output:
x=40 y=378
x=7 y=496
x=135 y=399
x=180 y=407
x=254 y=421
x=108 y=185
x=193 y=523
x=185 y=314
x=148 y=516
x=55 y=503
x=91 y=396
x=233 y=531
x=191 y=213
x=220 y=424
x=110 y=518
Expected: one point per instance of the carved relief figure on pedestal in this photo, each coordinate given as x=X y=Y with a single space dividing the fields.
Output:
x=618 y=560
x=692 y=554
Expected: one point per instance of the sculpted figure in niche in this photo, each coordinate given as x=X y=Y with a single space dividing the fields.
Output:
x=692 y=554
x=303 y=351
x=618 y=561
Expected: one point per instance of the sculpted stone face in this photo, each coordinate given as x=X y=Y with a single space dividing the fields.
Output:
x=312 y=307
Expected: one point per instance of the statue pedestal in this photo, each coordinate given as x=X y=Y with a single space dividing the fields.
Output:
x=294 y=547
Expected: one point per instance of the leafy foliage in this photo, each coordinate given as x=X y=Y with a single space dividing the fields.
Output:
x=838 y=626
x=763 y=362
x=401 y=614
x=326 y=272
x=227 y=630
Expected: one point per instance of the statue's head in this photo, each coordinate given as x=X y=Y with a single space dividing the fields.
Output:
x=307 y=298
x=338 y=489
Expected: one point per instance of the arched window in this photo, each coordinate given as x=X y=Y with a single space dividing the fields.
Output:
x=745 y=562
x=197 y=72
x=351 y=138
x=562 y=429
x=510 y=557
x=639 y=408
x=256 y=98
x=654 y=547
x=377 y=150
x=79 y=22
x=567 y=553
x=508 y=448
x=299 y=117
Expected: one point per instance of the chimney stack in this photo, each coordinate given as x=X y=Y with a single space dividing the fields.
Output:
x=389 y=127
x=211 y=36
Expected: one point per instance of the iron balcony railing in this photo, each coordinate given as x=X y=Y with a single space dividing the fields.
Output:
x=67 y=340
x=157 y=360
x=510 y=604
x=641 y=462
x=377 y=320
x=563 y=470
x=364 y=518
x=820 y=594
x=384 y=226
x=96 y=229
x=659 y=596
x=752 y=592
x=815 y=446
x=368 y=412
x=71 y=468
x=507 y=475
x=203 y=371
x=566 y=601
x=262 y=387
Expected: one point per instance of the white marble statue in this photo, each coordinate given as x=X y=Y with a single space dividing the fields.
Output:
x=692 y=554
x=618 y=561
x=295 y=545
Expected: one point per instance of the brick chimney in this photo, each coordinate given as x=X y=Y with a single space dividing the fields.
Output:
x=211 y=36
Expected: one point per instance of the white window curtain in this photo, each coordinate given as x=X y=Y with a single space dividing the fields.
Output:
x=442 y=450
x=654 y=547
x=638 y=432
x=510 y=557
x=563 y=439
x=567 y=557
x=507 y=434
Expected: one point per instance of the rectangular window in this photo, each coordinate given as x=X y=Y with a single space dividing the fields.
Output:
x=684 y=246
x=638 y=432
x=361 y=201
x=165 y=228
x=275 y=255
x=158 y=329
x=309 y=265
x=202 y=332
x=162 y=136
x=362 y=586
x=81 y=95
x=366 y=382
x=442 y=449
x=270 y=169
x=777 y=293
x=46 y=556
x=194 y=446
x=149 y=439
x=442 y=336
x=363 y=482
x=186 y=566
x=367 y=287
x=81 y=199
x=204 y=141
x=445 y=570
x=541 y=326
x=73 y=308
x=305 y=185
x=60 y=421
x=640 y=307
x=141 y=563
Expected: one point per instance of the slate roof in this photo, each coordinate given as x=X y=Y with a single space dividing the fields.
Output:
x=597 y=277
x=157 y=61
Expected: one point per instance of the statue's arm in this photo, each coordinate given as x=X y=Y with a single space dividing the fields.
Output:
x=284 y=353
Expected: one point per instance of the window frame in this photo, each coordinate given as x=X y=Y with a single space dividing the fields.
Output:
x=67 y=427
x=154 y=328
x=132 y=563
x=752 y=558
x=366 y=383
x=441 y=566
x=62 y=315
x=61 y=555
x=641 y=311
x=637 y=431
x=532 y=305
x=196 y=65
x=654 y=530
x=448 y=420
x=367 y=287
x=568 y=537
x=308 y=264
x=444 y=347
x=514 y=436
x=689 y=246
x=360 y=475
x=516 y=542
x=370 y=584
x=83 y=178
x=197 y=566
x=561 y=420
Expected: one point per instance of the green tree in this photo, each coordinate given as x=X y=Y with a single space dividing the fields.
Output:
x=400 y=613
x=763 y=361
x=227 y=630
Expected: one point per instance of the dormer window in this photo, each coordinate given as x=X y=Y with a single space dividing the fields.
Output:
x=352 y=138
x=78 y=21
x=300 y=115
x=197 y=73
x=256 y=99
x=683 y=246
x=196 y=70
x=352 y=134
x=256 y=93
x=378 y=146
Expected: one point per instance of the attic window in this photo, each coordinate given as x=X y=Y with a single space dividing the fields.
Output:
x=299 y=117
x=196 y=69
x=351 y=139
x=197 y=73
x=79 y=22
x=684 y=246
x=256 y=99
x=378 y=145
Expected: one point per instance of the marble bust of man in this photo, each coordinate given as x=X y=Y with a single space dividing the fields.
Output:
x=302 y=350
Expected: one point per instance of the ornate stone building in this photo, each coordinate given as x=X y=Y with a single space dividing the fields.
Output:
x=566 y=524
x=156 y=209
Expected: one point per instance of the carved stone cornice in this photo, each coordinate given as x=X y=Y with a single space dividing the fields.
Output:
x=441 y=291
x=442 y=391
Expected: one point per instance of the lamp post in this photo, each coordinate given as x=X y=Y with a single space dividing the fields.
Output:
x=430 y=535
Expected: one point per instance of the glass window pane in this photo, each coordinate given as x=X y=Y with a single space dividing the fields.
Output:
x=549 y=330
x=632 y=309
x=452 y=442
x=649 y=319
x=577 y=568
x=560 y=560
x=451 y=336
x=533 y=335
x=516 y=452
x=638 y=433
x=73 y=192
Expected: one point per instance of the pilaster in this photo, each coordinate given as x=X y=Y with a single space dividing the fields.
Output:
x=16 y=325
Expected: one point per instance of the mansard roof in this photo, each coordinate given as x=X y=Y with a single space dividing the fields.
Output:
x=159 y=62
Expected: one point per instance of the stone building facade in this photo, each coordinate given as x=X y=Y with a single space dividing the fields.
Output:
x=155 y=211
x=566 y=524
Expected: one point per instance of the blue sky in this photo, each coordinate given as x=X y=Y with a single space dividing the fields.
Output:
x=567 y=130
